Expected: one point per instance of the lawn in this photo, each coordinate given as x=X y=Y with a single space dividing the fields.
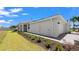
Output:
x=14 y=42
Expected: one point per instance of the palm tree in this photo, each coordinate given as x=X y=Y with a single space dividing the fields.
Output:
x=78 y=21
x=74 y=19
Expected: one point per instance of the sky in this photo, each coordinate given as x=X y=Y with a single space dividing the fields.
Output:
x=15 y=15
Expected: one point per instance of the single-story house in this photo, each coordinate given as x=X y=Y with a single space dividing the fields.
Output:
x=51 y=26
x=23 y=27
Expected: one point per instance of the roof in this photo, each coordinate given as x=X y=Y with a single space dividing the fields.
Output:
x=45 y=19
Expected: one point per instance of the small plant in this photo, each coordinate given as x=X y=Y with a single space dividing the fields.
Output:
x=39 y=40
x=33 y=37
x=48 y=43
x=28 y=36
x=58 y=47
x=48 y=46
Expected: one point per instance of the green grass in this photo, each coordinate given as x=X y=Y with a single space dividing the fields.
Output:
x=2 y=35
x=15 y=42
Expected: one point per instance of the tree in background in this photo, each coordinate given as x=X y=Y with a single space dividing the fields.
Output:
x=74 y=19
x=78 y=22
x=14 y=28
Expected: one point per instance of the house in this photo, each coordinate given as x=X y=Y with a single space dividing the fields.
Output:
x=23 y=27
x=52 y=26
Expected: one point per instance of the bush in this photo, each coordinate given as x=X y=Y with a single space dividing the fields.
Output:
x=29 y=37
x=15 y=30
x=33 y=37
x=58 y=47
x=39 y=40
x=48 y=43
x=48 y=46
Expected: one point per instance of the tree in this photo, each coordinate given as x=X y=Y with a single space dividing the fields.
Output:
x=13 y=27
x=74 y=19
x=78 y=23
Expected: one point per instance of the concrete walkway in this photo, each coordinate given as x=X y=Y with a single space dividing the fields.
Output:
x=69 y=38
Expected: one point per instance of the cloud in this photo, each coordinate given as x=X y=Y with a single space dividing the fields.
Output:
x=15 y=10
x=36 y=7
x=25 y=14
x=10 y=12
x=10 y=20
x=5 y=13
x=13 y=15
x=4 y=21
x=1 y=8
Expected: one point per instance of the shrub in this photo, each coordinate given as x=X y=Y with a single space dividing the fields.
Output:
x=29 y=36
x=58 y=47
x=14 y=30
x=33 y=37
x=39 y=40
x=48 y=46
x=48 y=43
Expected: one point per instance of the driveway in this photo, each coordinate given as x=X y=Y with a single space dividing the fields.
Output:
x=69 y=38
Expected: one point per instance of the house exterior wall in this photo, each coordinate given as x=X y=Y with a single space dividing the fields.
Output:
x=59 y=26
x=52 y=26
x=23 y=27
x=19 y=27
x=43 y=28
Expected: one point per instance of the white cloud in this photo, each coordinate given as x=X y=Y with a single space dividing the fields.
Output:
x=9 y=13
x=10 y=20
x=1 y=8
x=13 y=15
x=25 y=14
x=4 y=21
x=15 y=10
x=36 y=7
x=5 y=13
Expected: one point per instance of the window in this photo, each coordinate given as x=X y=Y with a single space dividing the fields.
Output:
x=58 y=22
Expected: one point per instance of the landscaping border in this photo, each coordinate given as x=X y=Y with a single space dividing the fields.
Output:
x=46 y=43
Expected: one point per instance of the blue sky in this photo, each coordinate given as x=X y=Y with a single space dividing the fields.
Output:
x=14 y=15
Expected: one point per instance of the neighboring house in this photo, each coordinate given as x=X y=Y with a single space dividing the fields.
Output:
x=52 y=26
x=23 y=27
